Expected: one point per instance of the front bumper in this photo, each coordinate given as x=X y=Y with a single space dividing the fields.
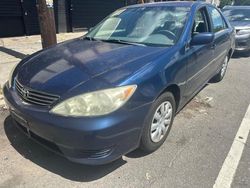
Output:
x=242 y=42
x=89 y=140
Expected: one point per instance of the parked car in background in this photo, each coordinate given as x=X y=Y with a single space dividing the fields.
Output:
x=239 y=17
x=98 y=97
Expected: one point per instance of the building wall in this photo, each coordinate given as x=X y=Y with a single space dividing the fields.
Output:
x=87 y=13
x=19 y=17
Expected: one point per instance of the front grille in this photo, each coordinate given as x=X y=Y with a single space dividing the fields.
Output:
x=35 y=97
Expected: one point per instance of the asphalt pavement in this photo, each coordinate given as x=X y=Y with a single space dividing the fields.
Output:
x=192 y=156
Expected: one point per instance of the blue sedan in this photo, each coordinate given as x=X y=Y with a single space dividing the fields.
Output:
x=118 y=88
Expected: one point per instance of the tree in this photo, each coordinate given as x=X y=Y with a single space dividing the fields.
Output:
x=47 y=24
x=224 y=3
x=242 y=2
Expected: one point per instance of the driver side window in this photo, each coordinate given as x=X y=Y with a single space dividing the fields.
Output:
x=200 y=22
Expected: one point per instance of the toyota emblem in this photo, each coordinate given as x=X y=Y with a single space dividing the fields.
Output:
x=25 y=93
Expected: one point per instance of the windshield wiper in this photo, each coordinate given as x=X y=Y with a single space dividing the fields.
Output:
x=124 y=42
x=89 y=38
x=115 y=41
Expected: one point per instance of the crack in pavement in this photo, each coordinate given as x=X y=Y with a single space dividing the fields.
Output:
x=171 y=164
x=178 y=153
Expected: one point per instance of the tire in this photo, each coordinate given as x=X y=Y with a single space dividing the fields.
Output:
x=218 y=77
x=149 y=143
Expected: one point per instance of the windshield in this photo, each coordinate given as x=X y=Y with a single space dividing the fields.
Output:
x=237 y=14
x=152 y=26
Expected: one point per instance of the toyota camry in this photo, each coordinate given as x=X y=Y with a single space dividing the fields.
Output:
x=119 y=87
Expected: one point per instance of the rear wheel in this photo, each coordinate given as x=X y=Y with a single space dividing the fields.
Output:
x=218 y=77
x=158 y=122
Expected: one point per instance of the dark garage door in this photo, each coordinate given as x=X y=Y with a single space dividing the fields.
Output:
x=30 y=17
x=87 y=13
x=62 y=15
x=18 y=17
x=11 y=20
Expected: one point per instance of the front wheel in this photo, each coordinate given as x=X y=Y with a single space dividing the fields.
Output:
x=218 y=77
x=158 y=122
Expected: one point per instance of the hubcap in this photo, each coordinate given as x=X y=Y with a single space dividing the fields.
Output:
x=224 y=67
x=161 y=121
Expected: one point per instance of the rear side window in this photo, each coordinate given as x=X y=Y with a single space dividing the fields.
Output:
x=218 y=22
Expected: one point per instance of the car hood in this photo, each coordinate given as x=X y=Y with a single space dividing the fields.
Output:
x=70 y=64
x=240 y=24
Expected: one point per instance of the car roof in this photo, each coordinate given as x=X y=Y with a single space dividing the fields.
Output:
x=168 y=3
x=236 y=7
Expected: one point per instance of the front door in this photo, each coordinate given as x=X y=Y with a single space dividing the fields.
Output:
x=200 y=56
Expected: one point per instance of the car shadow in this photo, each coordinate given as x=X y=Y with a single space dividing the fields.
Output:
x=137 y=154
x=53 y=162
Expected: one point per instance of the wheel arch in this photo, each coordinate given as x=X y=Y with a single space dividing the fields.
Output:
x=175 y=90
x=230 y=53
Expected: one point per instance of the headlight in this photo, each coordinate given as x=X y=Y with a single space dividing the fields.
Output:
x=95 y=103
x=10 y=81
x=244 y=32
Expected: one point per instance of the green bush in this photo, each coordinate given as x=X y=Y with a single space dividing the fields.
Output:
x=224 y=3
x=242 y=2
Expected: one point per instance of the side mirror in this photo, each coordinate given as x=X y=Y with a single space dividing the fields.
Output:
x=90 y=29
x=202 y=38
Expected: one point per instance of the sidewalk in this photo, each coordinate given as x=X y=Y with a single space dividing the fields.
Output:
x=13 y=49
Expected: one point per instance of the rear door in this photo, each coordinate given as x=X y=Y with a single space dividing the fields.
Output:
x=222 y=38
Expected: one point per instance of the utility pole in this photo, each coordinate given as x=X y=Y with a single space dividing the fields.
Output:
x=47 y=24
